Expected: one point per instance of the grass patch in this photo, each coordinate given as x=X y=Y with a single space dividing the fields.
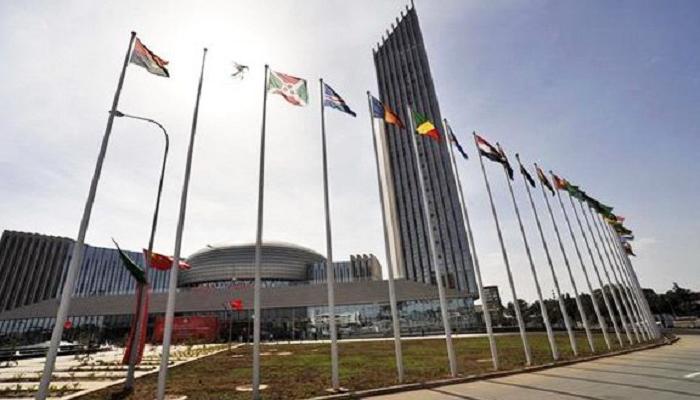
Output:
x=363 y=365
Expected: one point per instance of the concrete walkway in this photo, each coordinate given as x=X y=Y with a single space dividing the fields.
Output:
x=663 y=373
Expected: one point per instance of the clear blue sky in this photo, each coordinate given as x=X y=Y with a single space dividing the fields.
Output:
x=606 y=93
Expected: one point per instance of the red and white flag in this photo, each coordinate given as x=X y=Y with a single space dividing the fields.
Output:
x=144 y=57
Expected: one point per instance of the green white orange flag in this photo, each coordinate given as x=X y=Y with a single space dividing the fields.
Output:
x=293 y=89
x=425 y=127
x=144 y=57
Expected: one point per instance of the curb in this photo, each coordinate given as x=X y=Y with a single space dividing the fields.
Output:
x=489 y=375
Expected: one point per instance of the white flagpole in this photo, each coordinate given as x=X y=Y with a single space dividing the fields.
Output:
x=632 y=301
x=79 y=246
x=174 y=269
x=330 y=272
x=585 y=273
x=391 y=261
x=579 y=303
x=543 y=307
x=258 y=250
x=615 y=287
x=602 y=285
x=433 y=251
x=642 y=302
x=596 y=307
x=472 y=246
x=516 y=304
x=562 y=306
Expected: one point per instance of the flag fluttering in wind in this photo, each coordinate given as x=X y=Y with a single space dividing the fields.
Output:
x=559 y=183
x=144 y=57
x=381 y=110
x=506 y=163
x=239 y=70
x=236 y=304
x=487 y=150
x=454 y=141
x=162 y=262
x=628 y=248
x=293 y=89
x=135 y=270
x=526 y=174
x=333 y=99
x=425 y=127
x=543 y=179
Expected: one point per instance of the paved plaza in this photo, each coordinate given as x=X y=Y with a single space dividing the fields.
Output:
x=663 y=373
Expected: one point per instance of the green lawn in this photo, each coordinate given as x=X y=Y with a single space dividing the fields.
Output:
x=363 y=365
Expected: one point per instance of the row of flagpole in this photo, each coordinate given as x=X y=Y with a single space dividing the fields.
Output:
x=626 y=291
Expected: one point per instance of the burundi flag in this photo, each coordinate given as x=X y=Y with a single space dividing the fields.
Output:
x=144 y=57
x=425 y=127
x=135 y=270
x=543 y=179
x=526 y=174
x=454 y=141
x=333 y=99
x=380 y=110
x=293 y=89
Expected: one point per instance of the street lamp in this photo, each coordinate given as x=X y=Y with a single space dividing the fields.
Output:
x=129 y=383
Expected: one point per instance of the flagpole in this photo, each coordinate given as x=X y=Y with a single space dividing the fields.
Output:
x=516 y=304
x=390 y=259
x=645 y=311
x=602 y=285
x=579 y=304
x=585 y=273
x=619 y=297
x=79 y=246
x=330 y=272
x=174 y=269
x=596 y=308
x=477 y=267
x=543 y=307
x=258 y=250
x=433 y=251
x=625 y=284
x=142 y=305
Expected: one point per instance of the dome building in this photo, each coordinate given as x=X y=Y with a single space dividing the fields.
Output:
x=282 y=264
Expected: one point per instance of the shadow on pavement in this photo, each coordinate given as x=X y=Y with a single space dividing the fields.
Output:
x=651 y=388
x=626 y=365
x=459 y=396
x=610 y=371
x=541 y=389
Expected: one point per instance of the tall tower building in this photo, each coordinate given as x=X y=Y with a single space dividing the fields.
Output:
x=404 y=79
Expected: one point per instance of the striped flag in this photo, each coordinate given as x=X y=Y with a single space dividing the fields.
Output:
x=333 y=99
x=381 y=110
x=144 y=57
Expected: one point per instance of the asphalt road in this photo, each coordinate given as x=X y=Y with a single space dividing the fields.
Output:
x=664 y=373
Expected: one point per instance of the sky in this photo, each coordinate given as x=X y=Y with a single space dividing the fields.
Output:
x=604 y=93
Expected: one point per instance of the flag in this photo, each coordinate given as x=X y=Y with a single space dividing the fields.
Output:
x=333 y=99
x=162 y=262
x=293 y=89
x=144 y=57
x=505 y=162
x=543 y=179
x=67 y=325
x=380 y=110
x=239 y=70
x=526 y=174
x=628 y=248
x=425 y=127
x=559 y=183
x=487 y=150
x=629 y=237
x=236 y=304
x=135 y=270
x=454 y=141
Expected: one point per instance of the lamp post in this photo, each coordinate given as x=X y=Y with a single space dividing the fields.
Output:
x=129 y=383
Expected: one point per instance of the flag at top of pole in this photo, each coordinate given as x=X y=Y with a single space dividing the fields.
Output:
x=293 y=89
x=144 y=57
x=333 y=99
x=454 y=140
x=381 y=110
